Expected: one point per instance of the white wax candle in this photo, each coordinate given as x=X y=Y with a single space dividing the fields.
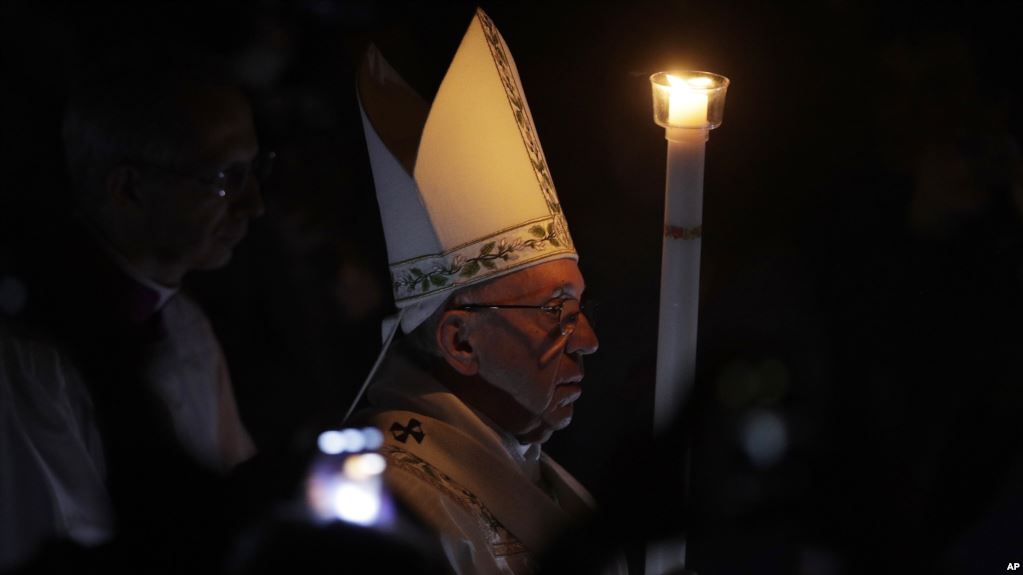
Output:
x=680 y=273
x=680 y=302
x=687 y=106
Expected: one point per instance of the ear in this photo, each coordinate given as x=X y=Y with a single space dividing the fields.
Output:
x=454 y=342
x=123 y=186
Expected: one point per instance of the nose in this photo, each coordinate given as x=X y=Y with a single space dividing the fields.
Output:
x=583 y=340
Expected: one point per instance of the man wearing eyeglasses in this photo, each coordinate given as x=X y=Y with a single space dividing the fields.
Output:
x=176 y=200
x=119 y=411
x=517 y=361
x=486 y=280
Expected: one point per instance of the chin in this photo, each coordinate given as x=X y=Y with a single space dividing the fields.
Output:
x=559 y=418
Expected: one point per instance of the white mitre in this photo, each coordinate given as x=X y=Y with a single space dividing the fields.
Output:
x=464 y=190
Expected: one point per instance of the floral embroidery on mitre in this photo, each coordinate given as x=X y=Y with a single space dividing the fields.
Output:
x=509 y=79
x=418 y=278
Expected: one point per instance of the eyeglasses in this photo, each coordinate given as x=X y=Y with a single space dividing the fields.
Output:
x=567 y=311
x=229 y=182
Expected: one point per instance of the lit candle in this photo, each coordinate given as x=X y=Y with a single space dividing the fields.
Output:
x=688 y=106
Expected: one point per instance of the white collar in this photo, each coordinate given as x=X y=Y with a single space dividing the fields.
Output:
x=164 y=293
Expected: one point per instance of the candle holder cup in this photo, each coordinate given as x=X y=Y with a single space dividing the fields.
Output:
x=690 y=100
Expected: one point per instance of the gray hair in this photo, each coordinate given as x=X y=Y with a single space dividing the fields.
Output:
x=423 y=339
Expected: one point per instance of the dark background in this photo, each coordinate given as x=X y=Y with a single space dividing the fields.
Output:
x=859 y=389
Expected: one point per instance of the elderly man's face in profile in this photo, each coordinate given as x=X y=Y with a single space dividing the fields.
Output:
x=198 y=209
x=535 y=368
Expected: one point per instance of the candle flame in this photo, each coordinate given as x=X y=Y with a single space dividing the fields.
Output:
x=699 y=82
x=687 y=101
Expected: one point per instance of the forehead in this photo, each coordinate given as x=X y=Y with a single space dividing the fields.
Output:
x=558 y=278
x=219 y=121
